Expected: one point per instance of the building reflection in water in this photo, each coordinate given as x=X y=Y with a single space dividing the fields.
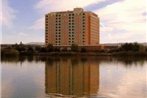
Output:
x=72 y=77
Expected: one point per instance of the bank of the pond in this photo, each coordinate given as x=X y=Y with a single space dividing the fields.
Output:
x=130 y=53
x=92 y=54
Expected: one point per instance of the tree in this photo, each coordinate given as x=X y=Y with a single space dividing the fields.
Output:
x=9 y=52
x=37 y=49
x=43 y=49
x=83 y=49
x=21 y=47
x=130 y=47
x=50 y=48
x=74 y=47
x=30 y=50
x=142 y=48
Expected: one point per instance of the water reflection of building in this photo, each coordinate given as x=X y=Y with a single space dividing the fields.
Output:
x=72 y=77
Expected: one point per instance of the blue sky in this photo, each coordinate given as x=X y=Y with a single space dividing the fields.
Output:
x=121 y=20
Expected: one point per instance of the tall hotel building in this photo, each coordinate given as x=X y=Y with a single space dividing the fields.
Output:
x=72 y=27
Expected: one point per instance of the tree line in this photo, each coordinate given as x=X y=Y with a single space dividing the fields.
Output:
x=22 y=49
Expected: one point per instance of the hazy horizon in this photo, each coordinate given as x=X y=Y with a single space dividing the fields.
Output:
x=120 y=20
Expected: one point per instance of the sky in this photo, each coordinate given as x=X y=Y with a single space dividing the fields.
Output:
x=120 y=20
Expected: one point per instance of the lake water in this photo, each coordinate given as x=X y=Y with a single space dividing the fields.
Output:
x=74 y=77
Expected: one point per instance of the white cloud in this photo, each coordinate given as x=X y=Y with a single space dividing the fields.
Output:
x=22 y=34
x=123 y=21
x=7 y=14
x=38 y=24
x=120 y=22
x=58 y=5
x=46 y=6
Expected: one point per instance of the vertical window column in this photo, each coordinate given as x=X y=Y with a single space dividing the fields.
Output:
x=58 y=29
x=71 y=28
x=83 y=33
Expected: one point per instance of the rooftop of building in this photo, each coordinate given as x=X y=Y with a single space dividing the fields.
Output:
x=75 y=10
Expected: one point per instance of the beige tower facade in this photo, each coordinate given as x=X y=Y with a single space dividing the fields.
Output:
x=72 y=27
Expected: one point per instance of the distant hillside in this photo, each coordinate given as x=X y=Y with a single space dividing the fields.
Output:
x=35 y=43
x=145 y=44
x=107 y=44
x=117 y=44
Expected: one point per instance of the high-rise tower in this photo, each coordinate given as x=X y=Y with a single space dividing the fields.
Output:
x=72 y=27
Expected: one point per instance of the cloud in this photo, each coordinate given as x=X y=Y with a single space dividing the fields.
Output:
x=59 y=5
x=22 y=34
x=7 y=14
x=123 y=21
x=46 y=6
x=38 y=24
x=102 y=4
